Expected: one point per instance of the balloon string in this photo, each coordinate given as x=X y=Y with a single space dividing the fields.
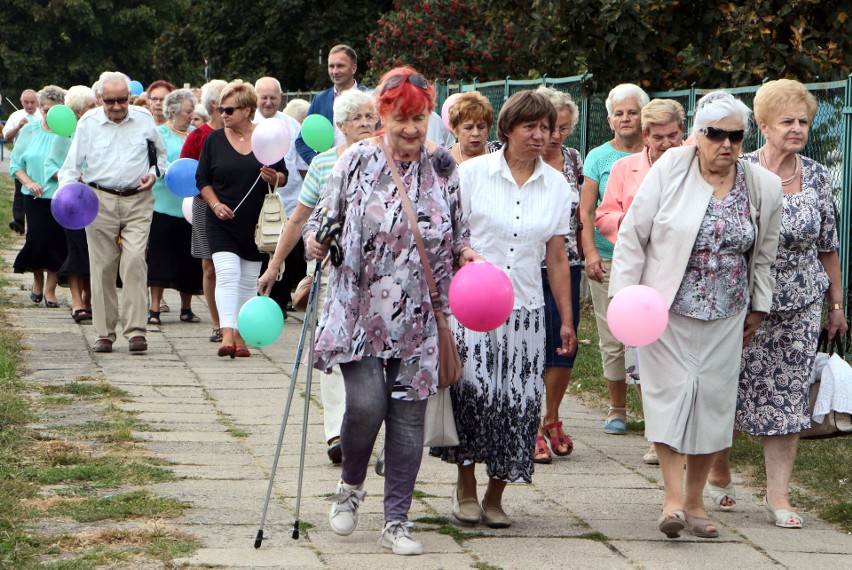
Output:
x=247 y=194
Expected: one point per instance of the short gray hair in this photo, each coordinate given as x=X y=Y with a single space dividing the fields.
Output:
x=625 y=92
x=561 y=100
x=77 y=97
x=717 y=106
x=212 y=92
x=349 y=102
x=111 y=77
x=175 y=100
x=298 y=109
x=201 y=112
x=51 y=93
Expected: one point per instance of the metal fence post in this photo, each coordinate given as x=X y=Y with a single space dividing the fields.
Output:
x=690 y=113
x=584 y=116
x=846 y=190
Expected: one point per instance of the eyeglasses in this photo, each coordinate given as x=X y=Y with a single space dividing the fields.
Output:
x=228 y=110
x=719 y=135
x=359 y=118
x=563 y=131
x=115 y=100
x=156 y=99
x=415 y=79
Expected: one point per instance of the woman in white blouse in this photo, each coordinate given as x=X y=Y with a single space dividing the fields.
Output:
x=518 y=209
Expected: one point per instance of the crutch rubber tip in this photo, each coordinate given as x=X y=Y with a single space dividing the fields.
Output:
x=296 y=530
x=258 y=539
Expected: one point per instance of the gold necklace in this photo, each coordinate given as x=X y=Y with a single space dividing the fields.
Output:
x=179 y=132
x=795 y=168
x=650 y=160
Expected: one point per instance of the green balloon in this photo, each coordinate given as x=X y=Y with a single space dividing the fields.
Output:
x=260 y=321
x=61 y=120
x=318 y=133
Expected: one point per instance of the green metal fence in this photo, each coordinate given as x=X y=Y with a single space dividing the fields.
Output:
x=830 y=140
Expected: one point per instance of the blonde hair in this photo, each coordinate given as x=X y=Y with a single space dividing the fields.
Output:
x=244 y=92
x=662 y=112
x=471 y=106
x=774 y=95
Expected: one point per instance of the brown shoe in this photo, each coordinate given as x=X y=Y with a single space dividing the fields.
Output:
x=138 y=344
x=103 y=345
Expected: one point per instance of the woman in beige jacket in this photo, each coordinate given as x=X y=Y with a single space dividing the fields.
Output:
x=702 y=231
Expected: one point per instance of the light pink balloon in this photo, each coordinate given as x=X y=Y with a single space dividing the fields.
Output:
x=445 y=109
x=186 y=208
x=637 y=315
x=481 y=296
x=270 y=141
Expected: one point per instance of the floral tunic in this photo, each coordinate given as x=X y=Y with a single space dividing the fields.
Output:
x=715 y=285
x=378 y=301
x=572 y=170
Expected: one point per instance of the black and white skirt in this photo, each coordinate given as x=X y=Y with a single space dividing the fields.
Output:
x=200 y=245
x=498 y=401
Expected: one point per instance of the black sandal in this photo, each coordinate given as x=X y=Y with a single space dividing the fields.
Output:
x=154 y=317
x=187 y=316
x=216 y=336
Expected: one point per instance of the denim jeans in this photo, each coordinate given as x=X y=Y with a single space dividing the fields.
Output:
x=369 y=385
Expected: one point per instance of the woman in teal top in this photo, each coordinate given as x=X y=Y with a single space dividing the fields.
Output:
x=170 y=264
x=624 y=106
x=44 y=249
x=75 y=269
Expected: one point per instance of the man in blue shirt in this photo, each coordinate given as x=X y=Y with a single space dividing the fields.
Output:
x=342 y=64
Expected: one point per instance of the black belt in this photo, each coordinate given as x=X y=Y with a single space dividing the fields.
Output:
x=116 y=192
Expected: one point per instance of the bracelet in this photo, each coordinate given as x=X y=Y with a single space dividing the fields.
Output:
x=213 y=207
x=835 y=307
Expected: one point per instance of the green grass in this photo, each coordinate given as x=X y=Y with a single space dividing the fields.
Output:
x=123 y=506
x=103 y=472
x=821 y=471
x=597 y=536
x=86 y=388
x=445 y=527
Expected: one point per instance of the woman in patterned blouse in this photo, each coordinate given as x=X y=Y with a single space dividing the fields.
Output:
x=378 y=322
x=772 y=401
x=702 y=231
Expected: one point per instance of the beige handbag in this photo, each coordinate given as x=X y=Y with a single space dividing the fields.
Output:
x=270 y=223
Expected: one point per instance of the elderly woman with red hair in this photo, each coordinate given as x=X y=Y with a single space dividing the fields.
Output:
x=378 y=323
x=157 y=92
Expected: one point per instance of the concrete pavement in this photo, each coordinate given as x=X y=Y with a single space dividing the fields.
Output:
x=218 y=420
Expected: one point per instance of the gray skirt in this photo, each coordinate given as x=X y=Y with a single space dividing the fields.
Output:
x=689 y=383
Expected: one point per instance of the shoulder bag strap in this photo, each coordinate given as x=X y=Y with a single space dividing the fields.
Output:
x=402 y=189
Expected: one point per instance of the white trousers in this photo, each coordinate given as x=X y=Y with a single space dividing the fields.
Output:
x=332 y=390
x=236 y=284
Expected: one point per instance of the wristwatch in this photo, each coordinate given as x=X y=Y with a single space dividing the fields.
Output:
x=835 y=307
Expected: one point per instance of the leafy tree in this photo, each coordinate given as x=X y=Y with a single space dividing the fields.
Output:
x=447 y=39
x=71 y=42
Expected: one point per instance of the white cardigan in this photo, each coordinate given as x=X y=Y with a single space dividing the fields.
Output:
x=658 y=233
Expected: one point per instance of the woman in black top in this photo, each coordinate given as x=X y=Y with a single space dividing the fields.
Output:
x=233 y=184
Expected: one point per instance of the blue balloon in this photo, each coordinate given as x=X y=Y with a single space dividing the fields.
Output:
x=136 y=88
x=74 y=206
x=180 y=177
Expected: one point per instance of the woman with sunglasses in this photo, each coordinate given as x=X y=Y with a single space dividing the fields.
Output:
x=772 y=402
x=233 y=184
x=378 y=323
x=519 y=210
x=703 y=232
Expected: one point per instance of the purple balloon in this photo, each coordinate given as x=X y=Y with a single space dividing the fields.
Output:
x=74 y=206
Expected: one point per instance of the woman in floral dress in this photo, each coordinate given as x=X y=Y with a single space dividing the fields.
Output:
x=772 y=400
x=378 y=322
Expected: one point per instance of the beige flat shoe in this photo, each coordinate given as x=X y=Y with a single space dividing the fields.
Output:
x=495 y=516
x=466 y=510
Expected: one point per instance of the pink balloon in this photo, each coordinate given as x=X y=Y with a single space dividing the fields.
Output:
x=637 y=315
x=270 y=141
x=445 y=109
x=481 y=296
x=186 y=208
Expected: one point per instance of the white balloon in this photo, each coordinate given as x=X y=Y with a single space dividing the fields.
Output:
x=270 y=141
x=186 y=207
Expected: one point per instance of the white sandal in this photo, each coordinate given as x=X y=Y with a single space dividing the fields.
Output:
x=719 y=494
x=782 y=517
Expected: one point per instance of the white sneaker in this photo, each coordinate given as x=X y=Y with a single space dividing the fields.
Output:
x=397 y=536
x=343 y=517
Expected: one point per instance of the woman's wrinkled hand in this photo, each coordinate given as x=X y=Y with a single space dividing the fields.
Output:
x=36 y=189
x=266 y=281
x=314 y=249
x=752 y=322
x=595 y=267
x=836 y=324
x=468 y=255
x=569 y=340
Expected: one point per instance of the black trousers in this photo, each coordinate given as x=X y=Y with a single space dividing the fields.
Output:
x=18 y=203
x=295 y=268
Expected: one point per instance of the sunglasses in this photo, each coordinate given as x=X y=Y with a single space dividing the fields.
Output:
x=227 y=110
x=415 y=79
x=719 y=135
x=113 y=101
